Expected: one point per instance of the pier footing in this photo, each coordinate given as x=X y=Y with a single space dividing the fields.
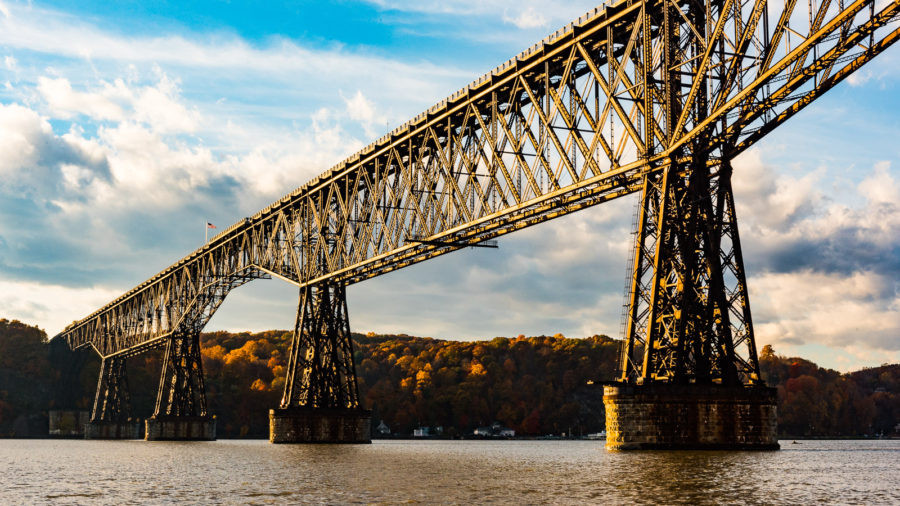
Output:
x=113 y=430
x=319 y=425
x=690 y=417
x=181 y=428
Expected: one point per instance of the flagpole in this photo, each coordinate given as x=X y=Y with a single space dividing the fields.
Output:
x=205 y=232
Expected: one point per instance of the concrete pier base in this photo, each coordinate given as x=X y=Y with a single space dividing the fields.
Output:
x=690 y=417
x=317 y=425
x=113 y=430
x=181 y=428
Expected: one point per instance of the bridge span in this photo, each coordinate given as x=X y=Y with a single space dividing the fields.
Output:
x=649 y=96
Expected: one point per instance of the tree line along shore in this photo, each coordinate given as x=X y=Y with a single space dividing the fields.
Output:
x=534 y=385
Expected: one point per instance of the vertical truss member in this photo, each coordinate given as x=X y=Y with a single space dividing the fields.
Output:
x=321 y=397
x=181 y=390
x=111 y=416
x=689 y=371
x=321 y=372
x=112 y=402
x=689 y=313
x=181 y=412
x=689 y=374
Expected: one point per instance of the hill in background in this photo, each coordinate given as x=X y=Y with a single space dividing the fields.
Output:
x=535 y=385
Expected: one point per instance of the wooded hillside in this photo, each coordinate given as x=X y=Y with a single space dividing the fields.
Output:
x=535 y=385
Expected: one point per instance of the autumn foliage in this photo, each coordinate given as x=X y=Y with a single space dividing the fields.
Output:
x=535 y=385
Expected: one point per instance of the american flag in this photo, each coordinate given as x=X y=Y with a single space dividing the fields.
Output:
x=210 y=225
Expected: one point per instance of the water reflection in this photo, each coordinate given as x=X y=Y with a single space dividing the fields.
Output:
x=559 y=472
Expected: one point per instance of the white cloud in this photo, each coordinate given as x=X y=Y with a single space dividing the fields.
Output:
x=56 y=34
x=526 y=18
x=52 y=307
x=31 y=154
x=156 y=105
x=515 y=23
x=881 y=188
x=860 y=77
x=767 y=199
x=19 y=125
x=362 y=110
x=860 y=309
x=66 y=103
x=530 y=9
x=825 y=271
x=785 y=211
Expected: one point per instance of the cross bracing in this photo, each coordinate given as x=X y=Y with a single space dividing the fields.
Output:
x=598 y=110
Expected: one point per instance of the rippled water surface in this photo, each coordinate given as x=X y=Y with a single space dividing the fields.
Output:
x=529 y=472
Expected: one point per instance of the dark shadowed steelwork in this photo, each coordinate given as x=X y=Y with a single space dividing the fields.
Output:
x=181 y=391
x=112 y=402
x=652 y=96
x=321 y=372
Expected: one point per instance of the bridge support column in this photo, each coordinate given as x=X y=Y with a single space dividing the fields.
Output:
x=181 y=413
x=690 y=417
x=110 y=418
x=689 y=370
x=321 y=399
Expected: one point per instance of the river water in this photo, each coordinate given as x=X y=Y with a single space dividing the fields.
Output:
x=523 y=472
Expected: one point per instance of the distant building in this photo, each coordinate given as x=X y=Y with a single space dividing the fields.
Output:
x=422 y=432
x=383 y=429
x=495 y=430
x=483 y=431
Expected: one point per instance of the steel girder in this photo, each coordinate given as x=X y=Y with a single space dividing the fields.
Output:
x=181 y=390
x=689 y=312
x=622 y=94
x=321 y=372
x=112 y=402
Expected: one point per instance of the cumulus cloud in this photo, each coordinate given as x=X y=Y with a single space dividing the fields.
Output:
x=822 y=271
x=156 y=105
x=794 y=227
x=362 y=110
x=527 y=18
x=862 y=308
x=104 y=201
x=32 y=155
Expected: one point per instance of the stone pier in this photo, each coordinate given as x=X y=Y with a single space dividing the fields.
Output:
x=181 y=428
x=319 y=425
x=113 y=430
x=690 y=417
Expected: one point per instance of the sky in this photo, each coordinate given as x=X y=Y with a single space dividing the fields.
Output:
x=126 y=126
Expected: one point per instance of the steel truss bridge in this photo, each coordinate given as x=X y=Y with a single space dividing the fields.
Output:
x=649 y=96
